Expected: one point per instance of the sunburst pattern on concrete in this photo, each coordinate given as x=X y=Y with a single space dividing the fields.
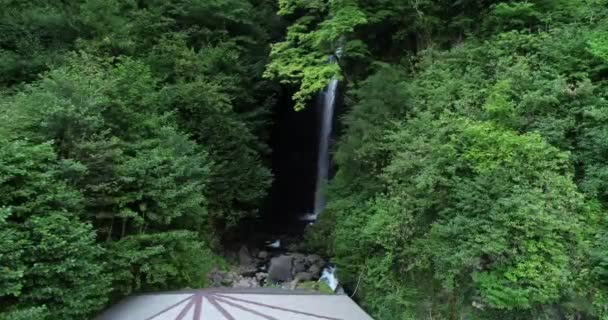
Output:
x=191 y=308
x=236 y=304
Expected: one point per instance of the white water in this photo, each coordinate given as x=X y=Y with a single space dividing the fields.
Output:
x=328 y=104
x=274 y=244
x=329 y=277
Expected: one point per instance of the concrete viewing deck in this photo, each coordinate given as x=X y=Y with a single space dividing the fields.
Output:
x=236 y=304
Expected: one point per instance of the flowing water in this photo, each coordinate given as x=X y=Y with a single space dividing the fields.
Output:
x=327 y=105
x=329 y=277
x=327 y=115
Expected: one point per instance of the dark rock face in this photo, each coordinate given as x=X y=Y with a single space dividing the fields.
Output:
x=247 y=271
x=313 y=259
x=219 y=278
x=246 y=283
x=244 y=256
x=216 y=278
x=304 y=276
x=260 y=267
x=299 y=263
x=280 y=269
x=263 y=255
x=315 y=271
x=261 y=276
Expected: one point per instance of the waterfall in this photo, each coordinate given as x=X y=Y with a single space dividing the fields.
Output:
x=328 y=104
x=329 y=277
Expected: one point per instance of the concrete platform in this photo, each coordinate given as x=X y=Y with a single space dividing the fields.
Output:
x=236 y=304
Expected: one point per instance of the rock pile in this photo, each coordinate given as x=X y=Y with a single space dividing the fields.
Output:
x=259 y=268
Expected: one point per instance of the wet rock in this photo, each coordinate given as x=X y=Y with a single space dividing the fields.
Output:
x=261 y=276
x=299 y=263
x=246 y=282
x=315 y=271
x=230 y=278
x=298 y=256
x=280 y=269
x=303 y=276
x=247 y=271
x=216 y=278
x=244 y=256
x=263 y=255
x=316 y=260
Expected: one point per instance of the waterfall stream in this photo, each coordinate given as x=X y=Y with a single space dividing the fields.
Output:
x=328 y=104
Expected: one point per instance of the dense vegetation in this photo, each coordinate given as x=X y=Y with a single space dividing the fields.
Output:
x=472 y=171
x=471 y=177
x=132 y=139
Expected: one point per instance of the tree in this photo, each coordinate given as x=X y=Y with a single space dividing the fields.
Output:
x=34 y=34
x=160 y=261
x=320 y=33
x=50 y=258
x=489 y=214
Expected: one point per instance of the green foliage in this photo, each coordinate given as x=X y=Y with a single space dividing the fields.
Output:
x=239 y=180
x=471 y=177
x=599 y=272
x=303 y=57
x=160 y=261
x=49 y=257
x=148 y=175
x=518 y=15
x=473 y=186
x=33 y=34
x=123 y=163
x=382 y=98
x=164 y=180
x=208 y=57
x=34 y=313
x=471 y=189
x=598 y=44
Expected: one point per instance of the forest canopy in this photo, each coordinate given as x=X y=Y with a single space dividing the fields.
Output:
x=471 y=165
x=133 y=138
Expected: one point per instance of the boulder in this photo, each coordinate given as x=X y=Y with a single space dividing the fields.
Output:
x=303 y=276
x=313 y=259
x=244 y=256
x=222 y=278
x=230 y=278
x=261 y=276
x=216 y=278
x=280 y=269
x=298 y=256
x=246 y=283
x=299 y=263
x=263 y=255
x=315 y=271
x=247 y=271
